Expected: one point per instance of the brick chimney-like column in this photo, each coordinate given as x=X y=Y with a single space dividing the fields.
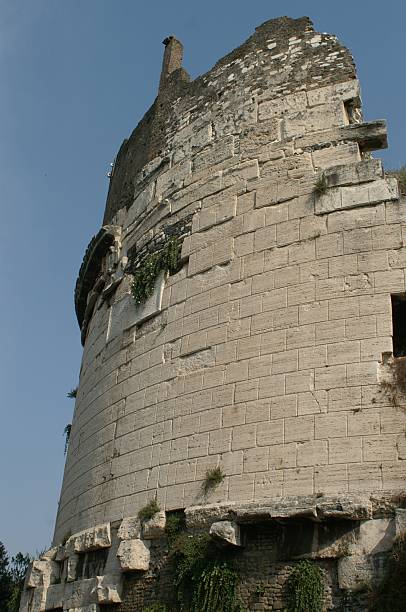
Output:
x=172 y=60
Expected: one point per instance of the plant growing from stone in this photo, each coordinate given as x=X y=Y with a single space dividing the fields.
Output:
x=147 y=512
x=165 y=259
x=204 y=579
x=72 y=393
x=321 y=185
x=213 y=478
x=215 y=590
x=155 y=607
x=305 y=588
x=175 y=523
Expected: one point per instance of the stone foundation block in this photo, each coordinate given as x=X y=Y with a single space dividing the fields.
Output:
x=42 y=573
x=133 y=556
x=90 y=539
x=354 y=572
x=155 y=527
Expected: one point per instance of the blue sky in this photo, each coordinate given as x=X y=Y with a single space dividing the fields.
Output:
x=77 y=75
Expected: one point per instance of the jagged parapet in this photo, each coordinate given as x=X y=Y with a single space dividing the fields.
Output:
x=265 y=351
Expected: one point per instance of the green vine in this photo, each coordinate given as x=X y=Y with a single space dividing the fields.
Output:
x=165 y=259
x=175 y=523
x=156 y=607
x=215 y=590
x=205 y=582
x=305 y=588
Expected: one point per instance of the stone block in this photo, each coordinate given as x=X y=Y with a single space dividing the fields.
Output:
x=366 y=194
x=155 y=526
x=130 y=528
x=400 y=521
x=226 y=533
x=133 y=556
x=354 y=572
x=42 y=573
x=340 y=91
x=108 y=589
x=91 y=539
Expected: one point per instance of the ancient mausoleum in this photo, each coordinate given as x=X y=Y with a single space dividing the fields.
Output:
x=240 y=418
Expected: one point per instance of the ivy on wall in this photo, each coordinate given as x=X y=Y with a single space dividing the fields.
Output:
x=305 y=588
x=205 y=579
x=165 y=259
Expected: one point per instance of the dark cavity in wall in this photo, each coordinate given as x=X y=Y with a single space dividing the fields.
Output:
x=399 y=324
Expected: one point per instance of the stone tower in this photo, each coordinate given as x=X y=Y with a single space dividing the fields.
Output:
x=241 y=315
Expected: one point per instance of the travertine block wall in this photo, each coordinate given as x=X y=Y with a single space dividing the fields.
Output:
x=264 y=352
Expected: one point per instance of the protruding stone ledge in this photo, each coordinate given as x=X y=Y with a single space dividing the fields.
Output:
x=371 y=136
x=226 y=533
x=90 y=539
x=353 y=508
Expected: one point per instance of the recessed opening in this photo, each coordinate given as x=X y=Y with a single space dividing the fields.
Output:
x=399 y=324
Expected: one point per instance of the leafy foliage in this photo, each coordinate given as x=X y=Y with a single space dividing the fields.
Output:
x=305 y=588
x=72 y=393
x=390 y=595
x=155 y=607
x=165 y=259
x=66 y=433
x=12 y=579
x=215 y=590
x=213 y=478
x=205 y=582
x=175 y=523
x=321 y=185
x=148 y=511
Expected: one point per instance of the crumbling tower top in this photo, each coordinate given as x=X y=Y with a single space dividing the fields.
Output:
x=172 y=59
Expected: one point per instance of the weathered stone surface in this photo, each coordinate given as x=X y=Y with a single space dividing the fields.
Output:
x=50 y=555
x=354 y=572
x=43 y=573
x=348 y=507
x=133 y=555
x=339 y=198
x=107 y=590
x=400 y=521
x=130 y=528
x=155 y=526
x=90 y=539
x=54 y=596
x=71 y=567
x=226 y=533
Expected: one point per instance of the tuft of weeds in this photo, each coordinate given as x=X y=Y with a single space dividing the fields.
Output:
x=321 y=185
x=147 y=512
x=213 y=478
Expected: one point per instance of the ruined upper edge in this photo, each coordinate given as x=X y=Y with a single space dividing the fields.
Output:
x=149 y=138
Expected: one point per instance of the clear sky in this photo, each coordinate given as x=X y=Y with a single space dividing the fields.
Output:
x=77 y=75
